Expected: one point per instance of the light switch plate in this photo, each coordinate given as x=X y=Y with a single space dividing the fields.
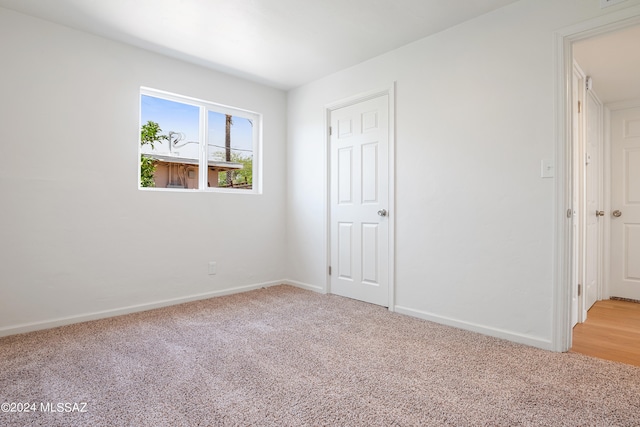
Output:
x=547 y=168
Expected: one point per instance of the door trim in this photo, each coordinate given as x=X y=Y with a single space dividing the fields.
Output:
x=365 y=96
x=563 y=260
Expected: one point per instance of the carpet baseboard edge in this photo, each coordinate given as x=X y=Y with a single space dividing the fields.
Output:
x=62 y=321
x=474 y=327
x=302 y=285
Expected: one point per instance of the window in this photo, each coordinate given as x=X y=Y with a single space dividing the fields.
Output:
x=189 y=144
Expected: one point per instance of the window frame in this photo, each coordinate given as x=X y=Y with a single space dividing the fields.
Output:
x=203 y=133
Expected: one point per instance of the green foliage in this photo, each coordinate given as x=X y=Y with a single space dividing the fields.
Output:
x=149 y=134
x=147 y=171
x=238 y=177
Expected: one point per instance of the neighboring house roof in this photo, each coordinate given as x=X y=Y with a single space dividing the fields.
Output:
x=215 y=164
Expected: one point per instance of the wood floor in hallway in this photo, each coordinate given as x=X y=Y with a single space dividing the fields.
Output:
x=612 y=332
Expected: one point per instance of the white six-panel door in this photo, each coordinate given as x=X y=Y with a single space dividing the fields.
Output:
x=359 y=196
x=625 y=204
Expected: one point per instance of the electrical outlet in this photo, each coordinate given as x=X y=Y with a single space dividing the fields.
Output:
x=212 y=268
x=607 y=3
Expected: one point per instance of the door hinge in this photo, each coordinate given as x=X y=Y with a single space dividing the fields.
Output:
x=579 y=107
x=330 y=130
x=579 y=289
x=329 y=270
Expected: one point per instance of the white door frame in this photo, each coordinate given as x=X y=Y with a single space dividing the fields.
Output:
x=391 y=92
x=563 y=268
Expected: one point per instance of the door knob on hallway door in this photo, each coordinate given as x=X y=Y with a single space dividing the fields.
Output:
x=382 y=212
x=616 y=213
x=599 y=213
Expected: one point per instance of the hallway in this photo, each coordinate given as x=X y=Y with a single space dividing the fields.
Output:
x=612 y=332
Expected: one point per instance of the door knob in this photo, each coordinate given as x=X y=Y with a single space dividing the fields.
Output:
x=382 y=212
x=616 y=213
x=599 y=213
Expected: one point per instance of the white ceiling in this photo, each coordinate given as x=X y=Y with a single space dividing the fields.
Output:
x=282 y=43
x=613 y=62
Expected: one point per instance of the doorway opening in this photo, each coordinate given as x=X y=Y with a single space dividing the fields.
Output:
x=597 y=66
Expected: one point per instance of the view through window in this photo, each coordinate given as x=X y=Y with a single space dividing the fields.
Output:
x=196 y=145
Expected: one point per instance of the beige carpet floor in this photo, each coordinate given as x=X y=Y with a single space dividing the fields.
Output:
x=288 y=357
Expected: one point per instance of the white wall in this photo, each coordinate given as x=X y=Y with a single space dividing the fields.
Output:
x=77 y=237
x=474 y=221
x=474 y=118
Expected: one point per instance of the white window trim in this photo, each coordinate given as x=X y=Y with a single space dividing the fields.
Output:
x=205 y=106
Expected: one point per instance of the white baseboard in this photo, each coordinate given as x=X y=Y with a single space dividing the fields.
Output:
x=301 y=285
x=474 y=327
x=54 y=323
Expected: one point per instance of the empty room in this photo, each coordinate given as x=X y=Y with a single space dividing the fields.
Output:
x=180 y=180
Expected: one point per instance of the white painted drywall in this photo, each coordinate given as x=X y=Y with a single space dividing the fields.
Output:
x=77 y=237
x=474 y=219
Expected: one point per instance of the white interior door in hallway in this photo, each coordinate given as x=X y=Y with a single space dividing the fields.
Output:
x=625 y=203
x=587 y=124
x=359 y=194
x=577 y=96
x=593 y=200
